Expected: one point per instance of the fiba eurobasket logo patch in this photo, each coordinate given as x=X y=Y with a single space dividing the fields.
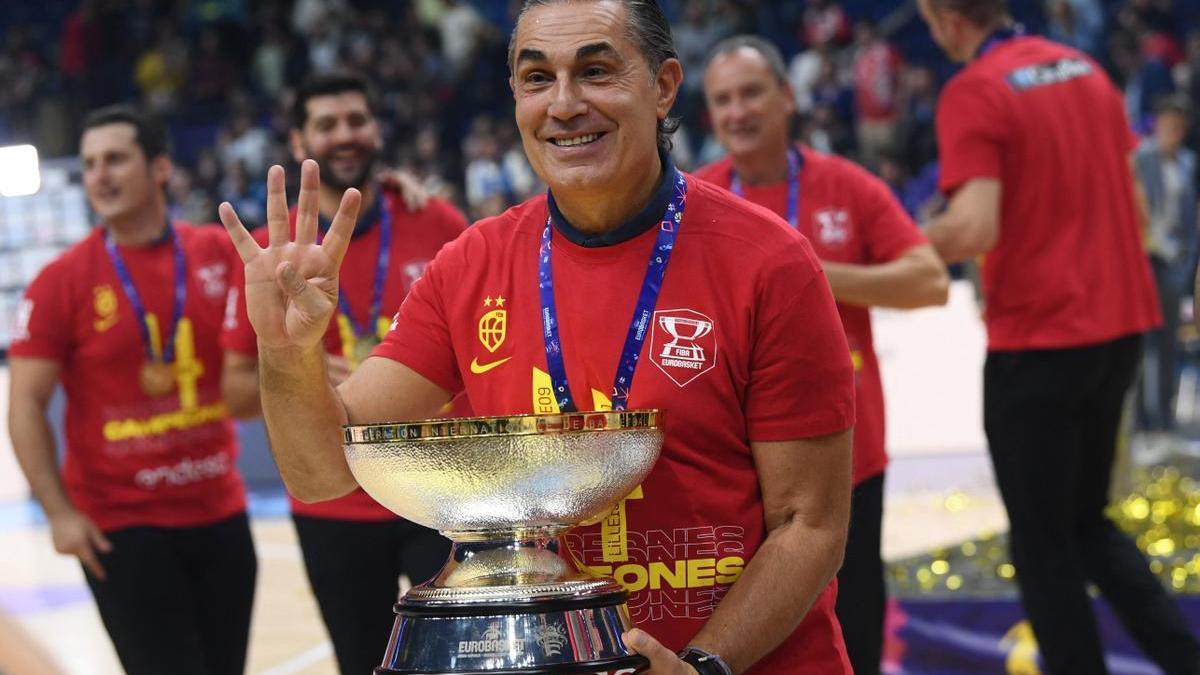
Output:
x=683 y=344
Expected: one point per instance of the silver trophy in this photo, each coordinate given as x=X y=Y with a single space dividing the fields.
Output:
x=511 y=599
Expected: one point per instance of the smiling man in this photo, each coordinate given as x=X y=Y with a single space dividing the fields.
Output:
x=149 y=498
x=873 y=255
x=628 y=285
x=354 y=549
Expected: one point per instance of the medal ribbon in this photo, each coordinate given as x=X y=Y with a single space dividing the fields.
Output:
x=370 y=328
x=668 y=231
x=168 y=347
x=795 y=161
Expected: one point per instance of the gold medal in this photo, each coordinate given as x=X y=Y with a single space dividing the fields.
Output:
x=157 y=378
x=363 y=346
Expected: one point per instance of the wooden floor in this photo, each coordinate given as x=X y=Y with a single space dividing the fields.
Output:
x=45 y=597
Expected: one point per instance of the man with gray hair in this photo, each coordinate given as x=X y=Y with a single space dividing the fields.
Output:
x=873 y=255
x=753 y=483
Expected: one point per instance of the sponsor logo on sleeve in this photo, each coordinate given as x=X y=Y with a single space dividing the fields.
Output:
x=1043 y=74
x=231 y=307
x=21 y=325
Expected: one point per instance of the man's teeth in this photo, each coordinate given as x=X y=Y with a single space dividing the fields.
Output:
x=578 y=140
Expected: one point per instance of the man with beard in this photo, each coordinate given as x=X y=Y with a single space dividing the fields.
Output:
x=354 y=549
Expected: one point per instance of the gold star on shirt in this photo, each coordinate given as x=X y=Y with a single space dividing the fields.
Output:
x=487 y=302
x=499 y=301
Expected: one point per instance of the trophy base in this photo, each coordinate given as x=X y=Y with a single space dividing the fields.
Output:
x=563 y=636
x=628 y=666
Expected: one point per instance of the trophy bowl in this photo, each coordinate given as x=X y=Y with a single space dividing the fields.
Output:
x=487 y=473
x=511 y=599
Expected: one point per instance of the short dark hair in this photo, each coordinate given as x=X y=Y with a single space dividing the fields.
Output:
x=765 y=48
x=1174 y=103
x=648 y=29
x=327 y=84
x=149 y=131
x=982 y=13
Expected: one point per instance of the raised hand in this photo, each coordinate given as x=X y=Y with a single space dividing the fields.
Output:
x=292 y=285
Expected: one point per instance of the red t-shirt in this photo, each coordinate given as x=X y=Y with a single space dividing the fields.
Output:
x=769 y=363
x=1068 y=268
x=416 y=238
x=849 y=216
x=133 y=459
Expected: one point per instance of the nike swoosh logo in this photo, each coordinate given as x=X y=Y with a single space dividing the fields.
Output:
x=481 y=368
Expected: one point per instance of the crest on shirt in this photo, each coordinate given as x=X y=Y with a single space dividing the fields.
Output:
x=413 y=269
x=832 y=227
x=493 y=325
x=683 y=344
x=104 y=302
x=213 y=279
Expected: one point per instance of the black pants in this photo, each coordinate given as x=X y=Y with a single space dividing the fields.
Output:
x=178 y=600
x=1051 y=418
x=861 y=597
x=1159 y=380
x=354 y=569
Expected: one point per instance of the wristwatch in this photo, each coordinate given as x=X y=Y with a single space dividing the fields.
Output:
x=704 y=662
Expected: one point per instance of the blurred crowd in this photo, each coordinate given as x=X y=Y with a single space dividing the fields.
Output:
x=222 y=71
x=865 y=76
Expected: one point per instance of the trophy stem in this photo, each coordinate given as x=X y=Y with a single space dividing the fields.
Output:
x=508 y=567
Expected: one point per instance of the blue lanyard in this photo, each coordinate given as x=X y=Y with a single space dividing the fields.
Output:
x=385 y=252
x=668 y=230
x=168 y=346
x=795 y=161
x=997 y=38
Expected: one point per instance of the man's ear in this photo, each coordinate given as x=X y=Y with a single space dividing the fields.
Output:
x=670 y=75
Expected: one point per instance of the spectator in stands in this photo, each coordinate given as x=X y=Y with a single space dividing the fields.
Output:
x=1166 y=170
x=1078 y=23
x=876 y=91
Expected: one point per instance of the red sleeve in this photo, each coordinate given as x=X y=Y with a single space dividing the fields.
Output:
x=420 y=335
x=971 y=130
x=801 y=379
x=888 y=231
x=43 y=327
x=237 y=335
